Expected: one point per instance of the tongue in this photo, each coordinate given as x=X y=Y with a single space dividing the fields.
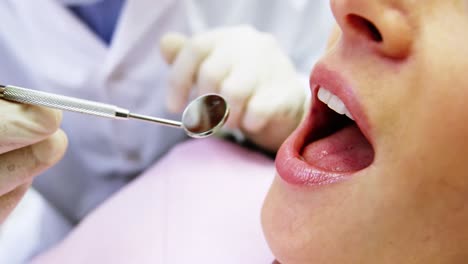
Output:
x=344 y=151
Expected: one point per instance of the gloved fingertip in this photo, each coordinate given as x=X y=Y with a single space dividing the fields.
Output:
x=253 y=123
x=52 y=149
x=170 y=46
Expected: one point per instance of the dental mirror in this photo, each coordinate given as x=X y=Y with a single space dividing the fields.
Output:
x=204 y=115
x=201 y=118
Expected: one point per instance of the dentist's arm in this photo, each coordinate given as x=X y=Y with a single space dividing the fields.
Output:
x=30 y=142
x=262 y=86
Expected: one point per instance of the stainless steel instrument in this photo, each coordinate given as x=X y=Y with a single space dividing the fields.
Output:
x=201 y=118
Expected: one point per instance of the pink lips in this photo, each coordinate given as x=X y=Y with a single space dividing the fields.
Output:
x=290 y=165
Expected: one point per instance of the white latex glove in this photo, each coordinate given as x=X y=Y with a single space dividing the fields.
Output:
x=249 y=69
x=30 y=142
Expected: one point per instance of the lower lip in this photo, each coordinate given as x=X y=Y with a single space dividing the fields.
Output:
x=294 y=170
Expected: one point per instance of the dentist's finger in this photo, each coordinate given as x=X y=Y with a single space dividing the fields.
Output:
x=269 y=122
x=270 y=100
x=184 y=70
x=21 y=165
x=214 y=69
x=257 y=114
x=278 y=100
x=171 y=44
x=22 y=125
x=9 y=200
x=238 y=87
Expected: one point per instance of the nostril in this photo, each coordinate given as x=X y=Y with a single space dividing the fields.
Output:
x=365 y=27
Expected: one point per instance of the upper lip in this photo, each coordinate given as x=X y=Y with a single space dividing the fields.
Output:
x=289 y=162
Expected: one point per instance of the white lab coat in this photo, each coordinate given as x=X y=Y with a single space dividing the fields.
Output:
x=43 y=46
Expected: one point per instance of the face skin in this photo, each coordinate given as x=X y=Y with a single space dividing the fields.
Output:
x=411 y=204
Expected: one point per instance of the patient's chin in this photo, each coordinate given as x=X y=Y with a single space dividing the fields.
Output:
x=290 y=230
x=276 y=222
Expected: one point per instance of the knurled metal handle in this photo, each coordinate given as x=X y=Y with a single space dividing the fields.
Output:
x=33 y=97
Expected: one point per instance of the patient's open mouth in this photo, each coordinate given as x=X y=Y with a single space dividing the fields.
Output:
x=333 y=142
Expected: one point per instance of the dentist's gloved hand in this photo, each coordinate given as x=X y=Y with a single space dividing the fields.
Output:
x=249 y=69
x=30 y=142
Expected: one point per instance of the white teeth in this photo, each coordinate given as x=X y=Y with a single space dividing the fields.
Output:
x=333 y=102
x=324 y=95
x=336 y=104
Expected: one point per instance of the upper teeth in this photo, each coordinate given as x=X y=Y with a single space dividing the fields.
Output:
x=333 y=102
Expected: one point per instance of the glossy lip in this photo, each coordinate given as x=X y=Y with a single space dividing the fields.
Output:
x=289 y=163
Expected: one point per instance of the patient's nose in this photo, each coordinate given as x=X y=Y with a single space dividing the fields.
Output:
x=379 y=25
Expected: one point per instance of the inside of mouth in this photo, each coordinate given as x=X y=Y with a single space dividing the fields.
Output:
x=335 y=142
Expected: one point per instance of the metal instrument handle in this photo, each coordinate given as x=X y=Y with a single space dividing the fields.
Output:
x=33 y=97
